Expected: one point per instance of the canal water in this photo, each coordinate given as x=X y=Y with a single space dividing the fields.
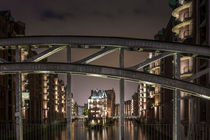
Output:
x=108 y=133
x=58 y=131
x=132 y=131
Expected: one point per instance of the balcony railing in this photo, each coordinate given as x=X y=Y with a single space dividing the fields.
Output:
x=187 y=18
x=46 y=79
x=155 y=67
x=46 y=86
x=180 y=7
x=157 y=93
x=176 y=28
x=186 y=73
x=44 y=99
x=26 y=95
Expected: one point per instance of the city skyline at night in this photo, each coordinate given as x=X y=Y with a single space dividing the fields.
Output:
x=124 y=20
x=75 y=70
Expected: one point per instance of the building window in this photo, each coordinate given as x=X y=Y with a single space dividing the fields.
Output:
x=185 y=66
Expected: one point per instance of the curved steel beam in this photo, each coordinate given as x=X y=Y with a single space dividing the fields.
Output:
x=45 y=54
x=130 y=43
x=150 y=60
x=197 y=75
x=194 y=89
x=95 y=56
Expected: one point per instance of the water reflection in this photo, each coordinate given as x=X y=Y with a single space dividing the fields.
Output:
x=80 y=132
x=132 y=131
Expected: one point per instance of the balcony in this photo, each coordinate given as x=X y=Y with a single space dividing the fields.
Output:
x=46 y=86
x=155 y=104
x=186 y=74
x=47 y=93
x=46 y=80
x=156 y=93
x=25 y=95
x=185 y=39
x=179 y=21
x=186 y=58
x=187 y=18
x=56 y=88
x=184 y=5
x=45 y=77
x=142 y=110
x=154 y=67
x=56 y=103
x=176 y=28
x=45 y=98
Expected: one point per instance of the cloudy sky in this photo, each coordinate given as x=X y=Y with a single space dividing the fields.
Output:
x=123 y=18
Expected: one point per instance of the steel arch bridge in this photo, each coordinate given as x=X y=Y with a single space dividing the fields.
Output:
x=54 y=44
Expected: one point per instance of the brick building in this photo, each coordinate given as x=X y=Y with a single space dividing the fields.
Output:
x=189 y=24
x=8 y=28
x=110 y=102
x=101 y=104
x=127 y=108
x=97 y=106
x=117 y=111
x=135 y=104
x=38 y=99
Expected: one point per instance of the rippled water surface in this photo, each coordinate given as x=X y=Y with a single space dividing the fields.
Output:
x=132 y=131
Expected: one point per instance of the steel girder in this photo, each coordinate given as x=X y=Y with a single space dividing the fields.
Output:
x=193 y=89
x=150 y=60
x=112 y=42
x=45 y=54
x=129 y=43
x=95 y=56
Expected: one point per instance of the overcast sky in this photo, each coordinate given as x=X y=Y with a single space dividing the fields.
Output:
x=123 y=18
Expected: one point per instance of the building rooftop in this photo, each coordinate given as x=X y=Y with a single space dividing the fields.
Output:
x=98 y=94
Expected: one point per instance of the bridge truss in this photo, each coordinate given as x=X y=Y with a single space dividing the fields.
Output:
x=54 y=44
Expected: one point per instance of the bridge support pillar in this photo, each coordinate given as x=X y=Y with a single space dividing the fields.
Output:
x=176 y=101
x=18 y=99
x=69 y=98
x=122 y=87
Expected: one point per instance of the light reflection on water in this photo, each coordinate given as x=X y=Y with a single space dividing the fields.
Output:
x=132 y=131
x=79 y=132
